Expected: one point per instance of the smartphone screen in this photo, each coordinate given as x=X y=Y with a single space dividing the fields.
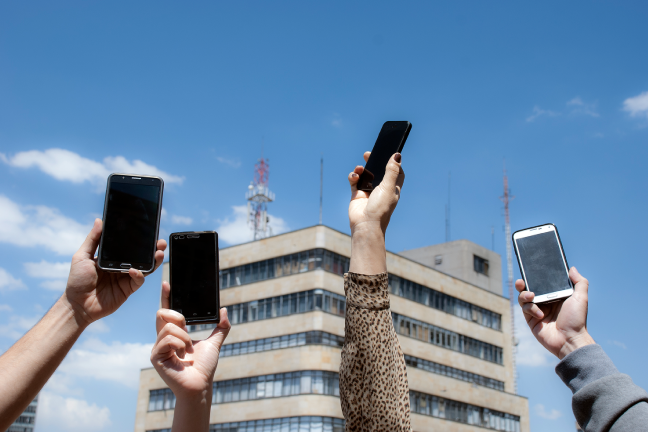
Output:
x=542 y=260
x=131 y=222
x=391 y=139
x=194 y=276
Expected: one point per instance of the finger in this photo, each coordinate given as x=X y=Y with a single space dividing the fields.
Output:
x=532 y=310
x=224 y=320
x=525 y=297
x=165 y=295
x=136 y=279
x=90 y=244
x=170 y=329
x=166 y=347
x=366 y=156
x=169 y=316
x=581 y=285
x=354 y=176
x=519 y=285
x=393 y=173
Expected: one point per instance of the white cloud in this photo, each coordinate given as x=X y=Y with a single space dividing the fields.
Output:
x=619 y=344
x=5 y=308
x=9 y=283
x=98 y=327
x=538 y=112
x=54 y=284
x=529 y=351
x=337 y=121
x=235 y=228
x=580 y=107
x=164 y=213
x=118 y=362
x=234 y=163
x=70 y=414
x=17 y=326
x=48 y=270
x=552 y=415
x=40 y=226
x=637 y=106
x=181 y=220
x=65 y=165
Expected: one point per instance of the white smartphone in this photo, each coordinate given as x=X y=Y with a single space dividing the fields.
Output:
x=542 y=263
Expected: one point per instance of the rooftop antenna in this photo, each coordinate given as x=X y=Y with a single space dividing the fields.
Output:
x=321 y=185
x=506 y=199
x=447 y=212
x=258 y=197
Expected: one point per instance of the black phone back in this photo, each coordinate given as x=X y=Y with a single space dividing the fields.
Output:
x=391 y=139
x=193 y=274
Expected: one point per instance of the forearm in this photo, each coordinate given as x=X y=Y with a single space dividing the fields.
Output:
x=191 y=413
x=368 y=255
x=30 y=362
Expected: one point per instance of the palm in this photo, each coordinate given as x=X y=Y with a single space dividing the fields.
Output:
x=555 y=328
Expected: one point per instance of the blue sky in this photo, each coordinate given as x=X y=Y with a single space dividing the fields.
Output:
x=194 y=91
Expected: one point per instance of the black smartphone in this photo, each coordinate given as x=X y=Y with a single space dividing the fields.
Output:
x=542 y=262
x=391 y=139
x=131 y=222
x=193 y=274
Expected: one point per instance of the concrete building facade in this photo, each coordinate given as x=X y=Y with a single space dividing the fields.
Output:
x=279 y=368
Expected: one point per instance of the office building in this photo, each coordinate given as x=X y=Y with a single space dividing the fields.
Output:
x=279 y=369
x=27 y=420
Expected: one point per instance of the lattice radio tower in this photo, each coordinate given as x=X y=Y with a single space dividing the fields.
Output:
x=258 y=197
x=506 y=198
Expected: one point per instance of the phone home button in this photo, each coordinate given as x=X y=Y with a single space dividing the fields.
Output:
x=125 y=266
x=552 y=295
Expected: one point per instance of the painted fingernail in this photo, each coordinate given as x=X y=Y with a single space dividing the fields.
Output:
x=354 y=175
x=397 y=157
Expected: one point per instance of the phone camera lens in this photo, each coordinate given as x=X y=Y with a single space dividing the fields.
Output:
x=175 y=237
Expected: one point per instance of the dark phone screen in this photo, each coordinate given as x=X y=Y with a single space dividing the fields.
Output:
x=542 y=260
x=130 y=225
x=194 y=276
x=388 y=142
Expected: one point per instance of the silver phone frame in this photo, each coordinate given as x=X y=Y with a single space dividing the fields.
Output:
x=542 y=229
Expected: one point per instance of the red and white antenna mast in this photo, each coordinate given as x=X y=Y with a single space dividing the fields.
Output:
x=258 y=196
x=506 y=199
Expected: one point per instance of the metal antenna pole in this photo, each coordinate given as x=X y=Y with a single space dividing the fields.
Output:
x=506 y=198
x=258 y=196
x=321 y=186
x=448 y=211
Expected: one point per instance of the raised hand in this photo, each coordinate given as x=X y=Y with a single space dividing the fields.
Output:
x=186 y=366
x=376 y=207
x=560 y=327
x=92 y=293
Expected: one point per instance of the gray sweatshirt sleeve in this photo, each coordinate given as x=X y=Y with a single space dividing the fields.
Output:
x=604 y=399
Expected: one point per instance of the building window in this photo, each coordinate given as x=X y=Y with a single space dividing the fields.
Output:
x=438 y=260
x=438 y=300
x=289 y=304
x=292 y=424
x=435 y=406
x=315 y=259
x=480 y=264
x=447 y=339
x=280 y=342
x=451 y=372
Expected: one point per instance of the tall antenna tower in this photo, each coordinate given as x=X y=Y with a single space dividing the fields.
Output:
x=447 y=211
x=506 y=199
x=258 y=197
x=321 y=186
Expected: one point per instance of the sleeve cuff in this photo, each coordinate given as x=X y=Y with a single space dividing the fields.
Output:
x=367 y=291
x=584 y=366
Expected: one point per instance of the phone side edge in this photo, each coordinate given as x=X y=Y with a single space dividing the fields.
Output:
x=103 y=219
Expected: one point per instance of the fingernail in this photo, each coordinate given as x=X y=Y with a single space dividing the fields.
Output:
x=397 y=157
x=354 y=175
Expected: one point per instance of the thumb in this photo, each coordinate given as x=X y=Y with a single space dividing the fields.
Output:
x=581 y=285
x=90 y=244
x=218 y=336
x=394 y=175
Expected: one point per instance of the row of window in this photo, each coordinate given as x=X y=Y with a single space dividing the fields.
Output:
x=259 y=387
x=322 y=259
x=286 y=424
x=284 y=266
x=14 y=428
x=438 y=300
x=285 y=341
x=451 y=372
x=289 y=304
x=447 y=339
x=434 y=406
x=312 y=300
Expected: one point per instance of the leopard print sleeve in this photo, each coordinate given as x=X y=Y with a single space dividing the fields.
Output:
x=373 y=380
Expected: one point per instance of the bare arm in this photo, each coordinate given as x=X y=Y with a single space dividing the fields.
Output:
x=90 y=294
x=187 y=366
x=374 y=391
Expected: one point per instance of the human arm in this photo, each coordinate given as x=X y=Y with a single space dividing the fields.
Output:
x=90 y=294
x=603 y=398
x=374 y=391
x=187 y=366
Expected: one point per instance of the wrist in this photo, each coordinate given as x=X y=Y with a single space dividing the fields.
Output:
x=75 y=311
x=575 y=342
x=367 y=229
